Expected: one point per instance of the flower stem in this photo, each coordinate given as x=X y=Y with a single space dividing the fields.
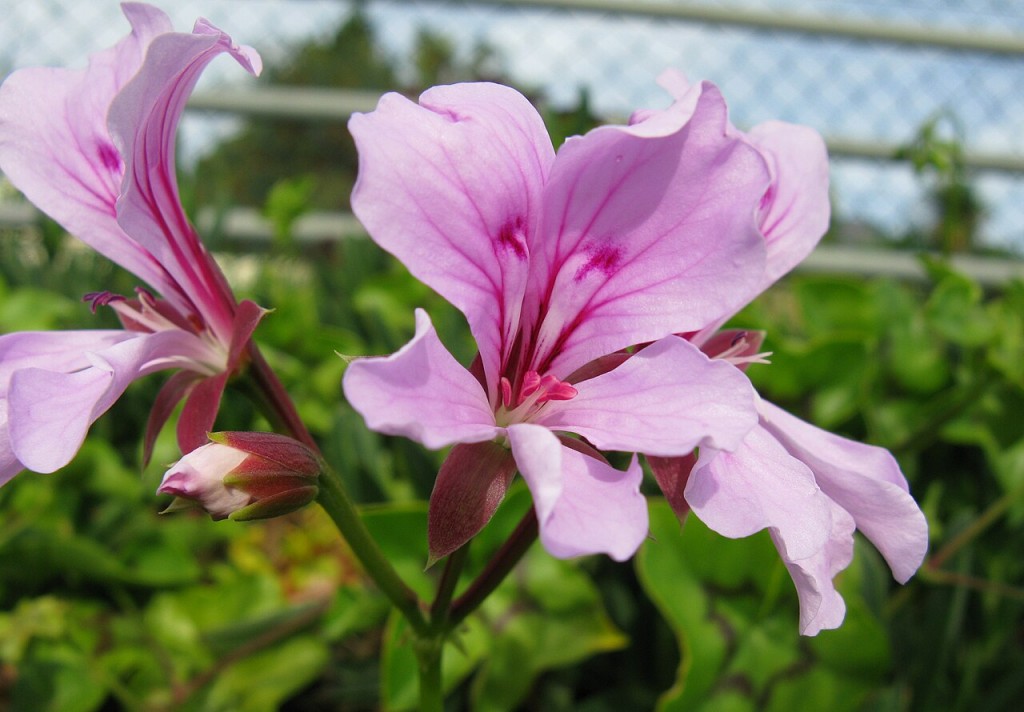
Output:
x=335 y=500
x=428 y=658
x=277 y=404
x=446 y=587
x=983 y=521
x=496 y=570
x=278 y=407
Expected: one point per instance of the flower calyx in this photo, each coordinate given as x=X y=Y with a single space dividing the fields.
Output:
x=244 y=476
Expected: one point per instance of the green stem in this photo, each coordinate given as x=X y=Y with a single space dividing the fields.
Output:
x=336 y=502
x=496 y=570
x=446 y=587
x=428 y=657
x=278 y=407
x=274 y=400
x=984 y=520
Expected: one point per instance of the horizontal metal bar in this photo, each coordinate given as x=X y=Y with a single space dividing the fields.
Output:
x=899 y=264
x=771 y=20
x=321 y=104
x=306 y=103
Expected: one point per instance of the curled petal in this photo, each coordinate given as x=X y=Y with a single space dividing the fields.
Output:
x=51 y=411
x=451 y=186
x=795 y=211
x=665 y=400
x=760 y=486
x=821 y=606
x=9 y=464
x=584 y=506
x=862 y=479
x=420 y=392
x=640 y=224
x=143 y=120
x=56 y=149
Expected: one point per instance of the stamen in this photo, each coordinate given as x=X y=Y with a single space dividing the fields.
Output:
x=555 y=390
x=100 y=299
x=506 y=392
x=531 y=382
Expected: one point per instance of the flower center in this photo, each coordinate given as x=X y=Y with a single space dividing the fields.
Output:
x=742 y=351
x=147 y=314
x=534 y=391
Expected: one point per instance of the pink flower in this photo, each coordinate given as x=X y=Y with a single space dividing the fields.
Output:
x=94 y=149
x=811 y=489
x=627 y=235
x=243 y=476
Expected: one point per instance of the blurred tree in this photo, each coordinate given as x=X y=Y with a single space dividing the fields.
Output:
x=956 y=204
x=320 y=155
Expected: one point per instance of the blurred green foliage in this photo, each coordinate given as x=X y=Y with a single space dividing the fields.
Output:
x=107 y=605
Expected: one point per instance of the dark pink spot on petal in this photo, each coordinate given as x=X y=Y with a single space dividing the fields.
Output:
x=110 y=158
x=604 y=259
x=511 y=237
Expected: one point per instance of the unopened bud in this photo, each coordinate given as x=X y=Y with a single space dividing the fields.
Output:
x=242 y=476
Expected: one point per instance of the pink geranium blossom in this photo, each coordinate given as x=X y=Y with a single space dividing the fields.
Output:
x=627 y=235
x=94 y=149
x=811 y=489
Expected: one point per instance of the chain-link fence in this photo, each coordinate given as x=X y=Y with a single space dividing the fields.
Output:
x=868 y=74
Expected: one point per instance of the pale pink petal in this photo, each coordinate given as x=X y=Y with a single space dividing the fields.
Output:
x=760 y=486
x=795 y=211
x=584 y=506
x=647 y=230
x=143 y=120
x=451 y=187
x=665 y=400
x=50 y=411
x=9 y=464
x=862 y=479
x=55 y=147
x=821 y=606
x=53 y=350
x=420 y=392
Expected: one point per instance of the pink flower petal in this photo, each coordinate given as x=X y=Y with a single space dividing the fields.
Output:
x=53 y=350
x=821 y=606
x=584 y=506
x=452 y=188
x=865 y=481
x=760 y=486
x=143 y=120
x=647 y=230
x=50 y=411
x=200 y=412
x=171 y=393
x=470 y=485
x=795 y=211
x=55 y=147
x=420 y=392
x=9 y=464
x=665 y=400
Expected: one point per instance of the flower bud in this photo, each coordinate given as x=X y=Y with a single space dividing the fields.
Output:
x=243 y=476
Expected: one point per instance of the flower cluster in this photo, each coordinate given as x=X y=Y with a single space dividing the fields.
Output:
x=94 y=149
x=595 y=280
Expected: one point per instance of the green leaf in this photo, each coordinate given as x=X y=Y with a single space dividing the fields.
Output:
x=548 y=615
